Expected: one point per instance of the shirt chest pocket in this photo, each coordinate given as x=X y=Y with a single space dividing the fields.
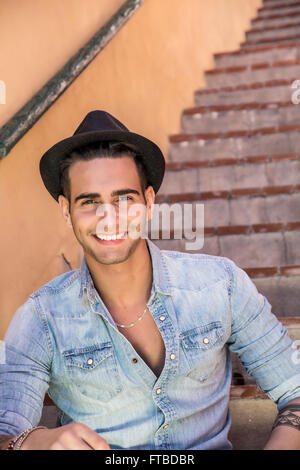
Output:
x=202 y=350
x=93 y=371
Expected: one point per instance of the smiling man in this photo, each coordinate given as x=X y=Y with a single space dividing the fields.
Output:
x=134 y=347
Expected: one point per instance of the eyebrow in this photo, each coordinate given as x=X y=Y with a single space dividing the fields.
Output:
x=118 y=192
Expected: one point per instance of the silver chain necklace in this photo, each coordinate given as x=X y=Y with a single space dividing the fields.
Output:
x=134 y=323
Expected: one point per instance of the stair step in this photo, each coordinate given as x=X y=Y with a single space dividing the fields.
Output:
x=262 y=72
x=262 y=92
x=252 y=418
x=248 y=246
x=276 y=3
x=262 y=54
x=267 y=205
x=257 y=34
x=275 y=21
x=269 y=42
x=264 y=172
x=278 y=140
x=271 y=4
x=248 y=116
x=280 y=9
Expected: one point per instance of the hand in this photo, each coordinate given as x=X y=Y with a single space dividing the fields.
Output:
x=75 y=436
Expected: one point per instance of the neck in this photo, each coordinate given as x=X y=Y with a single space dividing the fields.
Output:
x=126 y=284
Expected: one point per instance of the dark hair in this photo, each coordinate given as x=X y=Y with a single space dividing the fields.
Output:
x=101 y=150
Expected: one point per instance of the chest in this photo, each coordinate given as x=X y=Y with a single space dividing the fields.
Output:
x=147 y=342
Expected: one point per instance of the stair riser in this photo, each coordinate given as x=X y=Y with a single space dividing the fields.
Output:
x=275 y=23
x=218 y=80
x=231 y=177
x=288 y=10
x=279 y=143
x=221 y=121
x=273 y=34
x=247 y=251
x=268 y=56
x=260 y=95
x=274 y=3
x=280 y=208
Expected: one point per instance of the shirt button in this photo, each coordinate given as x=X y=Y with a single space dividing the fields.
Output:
x=134 y=360
x=162 y=318
x=165 y=426
x=206 y=341
x=158 y=391
x=90 y=362
x=172 y=356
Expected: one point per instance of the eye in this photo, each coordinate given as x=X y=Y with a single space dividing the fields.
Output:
x=88 y=202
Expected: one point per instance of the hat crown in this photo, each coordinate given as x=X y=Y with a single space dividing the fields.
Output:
x=99 y=121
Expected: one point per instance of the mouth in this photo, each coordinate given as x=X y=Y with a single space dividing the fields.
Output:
x=110 y=239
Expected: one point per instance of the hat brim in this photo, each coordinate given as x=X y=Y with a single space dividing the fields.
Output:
x=151 y=154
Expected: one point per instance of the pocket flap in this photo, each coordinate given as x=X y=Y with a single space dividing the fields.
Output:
x=88 y=357
x=203 y=337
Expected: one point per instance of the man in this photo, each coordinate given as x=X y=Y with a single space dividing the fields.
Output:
x=133 y=347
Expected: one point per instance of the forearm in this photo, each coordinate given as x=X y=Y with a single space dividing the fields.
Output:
x=286 y=430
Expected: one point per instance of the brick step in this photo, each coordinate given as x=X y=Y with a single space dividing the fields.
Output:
x=272 y=41
x=250 y=206
x=262 y=54
x=228 y=177
x=258 y=92
x=278 y=140
x=272 y=4
x=262 y=72
x=276 y=10
x=289 y=29
x=243 y=244
x=275 y=21
x=248 y=116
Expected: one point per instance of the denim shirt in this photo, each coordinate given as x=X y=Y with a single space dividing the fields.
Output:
x=63 y=340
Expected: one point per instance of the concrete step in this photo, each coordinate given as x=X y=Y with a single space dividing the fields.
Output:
x=260 y=34
x=248 y=116
x=248 y=246
x=265 y=205
x=262 y=72
x=252 y=416
x=260 y=172
x=280 y=9
x=204 y=146
x=259 y=92
x=261 y=54
x=275 y=20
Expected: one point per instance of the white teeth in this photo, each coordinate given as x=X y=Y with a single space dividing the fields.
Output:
x=110 y=237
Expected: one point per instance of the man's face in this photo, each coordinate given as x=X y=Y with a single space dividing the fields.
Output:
x=104 y=193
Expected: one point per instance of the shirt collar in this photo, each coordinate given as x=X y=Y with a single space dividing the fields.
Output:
x=160 y=284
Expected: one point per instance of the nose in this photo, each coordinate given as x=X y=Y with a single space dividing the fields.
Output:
x=110 y=220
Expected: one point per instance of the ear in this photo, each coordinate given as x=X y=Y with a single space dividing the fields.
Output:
x=150 y=198
x=64 y=206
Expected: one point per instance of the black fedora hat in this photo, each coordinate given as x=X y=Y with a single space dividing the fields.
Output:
x=100 y=126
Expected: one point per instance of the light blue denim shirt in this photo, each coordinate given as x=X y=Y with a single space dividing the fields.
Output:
x=63 y=340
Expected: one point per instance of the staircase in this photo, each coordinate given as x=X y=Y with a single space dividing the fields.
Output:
x=238 y=153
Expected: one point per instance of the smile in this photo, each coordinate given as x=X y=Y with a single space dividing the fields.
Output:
x=111 y=237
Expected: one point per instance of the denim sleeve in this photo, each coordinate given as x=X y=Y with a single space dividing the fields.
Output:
x=262 y=342
x=24 y=370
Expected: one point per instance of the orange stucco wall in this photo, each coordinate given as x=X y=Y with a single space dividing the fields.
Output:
x=145 y=76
